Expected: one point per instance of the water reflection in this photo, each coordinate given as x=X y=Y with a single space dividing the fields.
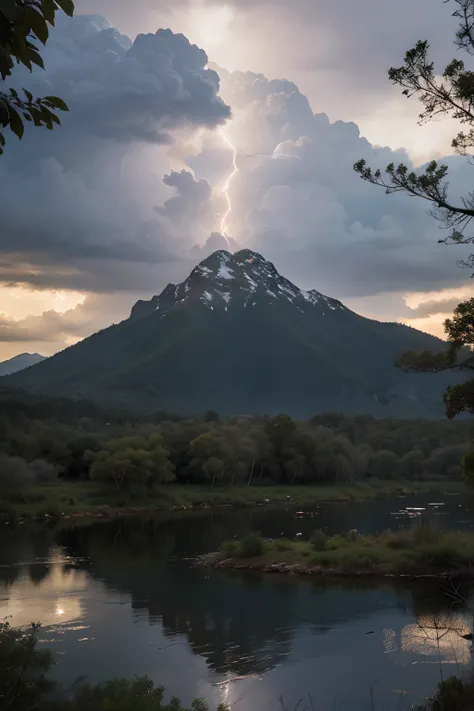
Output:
x=105 y=589
x=52 y=596
x=439 y=635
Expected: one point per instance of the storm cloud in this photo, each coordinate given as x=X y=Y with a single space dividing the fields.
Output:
x=321 y=45
x=192 y=201
x=127 y=91
x=106 y=214
x=129 y=193
x=77 y=204
x=296 y=198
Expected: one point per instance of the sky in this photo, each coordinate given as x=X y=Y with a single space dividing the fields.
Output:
x=193 y=118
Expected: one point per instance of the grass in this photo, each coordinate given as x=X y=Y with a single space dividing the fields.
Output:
x=454 y=694
x=67 y=498
x=422 y=550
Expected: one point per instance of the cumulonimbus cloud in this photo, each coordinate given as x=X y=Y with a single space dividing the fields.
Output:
x=100 y=205
x=296 y=198
x=192 y=200
x=77 y=204
x=339 y=52
x=124 y=91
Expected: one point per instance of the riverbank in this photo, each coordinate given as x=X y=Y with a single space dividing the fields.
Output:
x=87 y=499
x=422 y=552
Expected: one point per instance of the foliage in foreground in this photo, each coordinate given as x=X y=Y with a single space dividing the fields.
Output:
x=450 y=95
x=24 y=683
x=23 y=669
x=422 y=549
x=453 y=695
x=24 y=23
x=139 y=694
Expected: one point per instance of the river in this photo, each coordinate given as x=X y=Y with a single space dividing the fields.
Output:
x=119 y=598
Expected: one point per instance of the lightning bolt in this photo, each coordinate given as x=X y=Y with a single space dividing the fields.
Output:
x=226 y=187
x=228 y=183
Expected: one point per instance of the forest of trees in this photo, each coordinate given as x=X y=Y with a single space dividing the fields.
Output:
x=43 y=440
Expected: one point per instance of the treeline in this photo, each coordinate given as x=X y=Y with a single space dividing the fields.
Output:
x=45 y=440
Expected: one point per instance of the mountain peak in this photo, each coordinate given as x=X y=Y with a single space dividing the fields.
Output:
x=245 y=279
x=222 y=260
x=215 y=265
x=236 y=336
x=19 y=362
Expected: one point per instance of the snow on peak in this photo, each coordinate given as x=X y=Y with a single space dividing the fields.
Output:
x=245 y=273
x=252 y=284
x=240 y=280
x=312 y=296
x=225 y=272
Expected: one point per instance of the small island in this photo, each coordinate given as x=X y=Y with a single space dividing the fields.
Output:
x=424 y=551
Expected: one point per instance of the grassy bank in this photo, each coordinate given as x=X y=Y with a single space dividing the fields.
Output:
x=87 y=498
x=454 y=694
x=421 y=551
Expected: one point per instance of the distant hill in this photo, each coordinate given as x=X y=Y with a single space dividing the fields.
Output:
x=20 y=362
x=237 y=337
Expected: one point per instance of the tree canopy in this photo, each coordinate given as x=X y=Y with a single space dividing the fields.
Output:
x=40 y=443
x=133 y=460
x=24 y=24
x=452 y=95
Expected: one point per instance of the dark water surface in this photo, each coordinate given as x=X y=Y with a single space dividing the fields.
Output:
x=118 y=598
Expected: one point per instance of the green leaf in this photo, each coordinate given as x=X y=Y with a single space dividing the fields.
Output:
x=56 y=102
x=66 y=6
x=47 y=118
x=30 y=45
x=3 y=112
x=6 y=65
x=49 y=10
x=39 y=26
x=10 y=9
x=36 y=58
x=36 y=115
x=28 y=95
x=16 y=124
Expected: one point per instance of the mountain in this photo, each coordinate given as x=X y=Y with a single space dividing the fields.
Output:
x=239 y=338
x=20 y=362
